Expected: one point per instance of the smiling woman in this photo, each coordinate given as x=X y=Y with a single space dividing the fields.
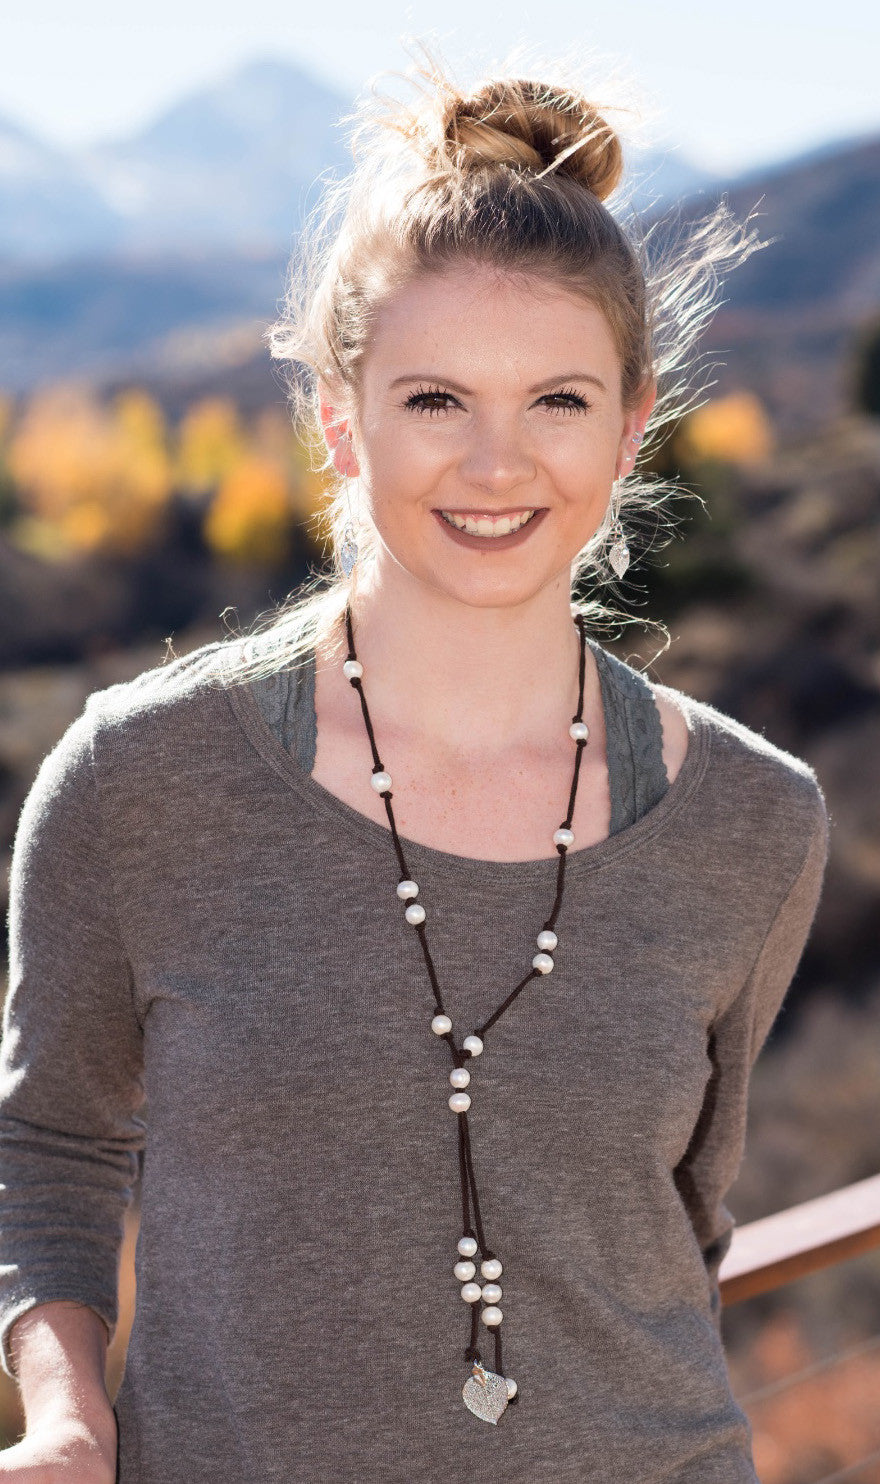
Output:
x=440 y=941
x=467 y=282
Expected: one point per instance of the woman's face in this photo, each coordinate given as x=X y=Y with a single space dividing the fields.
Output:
x=485 y=395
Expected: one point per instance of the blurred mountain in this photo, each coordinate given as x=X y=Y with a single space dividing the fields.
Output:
x=230 y=168
x=47 y=203
x=793 y=308
x=659 y=178
x=162 y=256
x=106 y=314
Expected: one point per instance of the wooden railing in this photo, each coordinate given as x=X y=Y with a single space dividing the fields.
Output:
x=803 y=1239
x=816 y=1234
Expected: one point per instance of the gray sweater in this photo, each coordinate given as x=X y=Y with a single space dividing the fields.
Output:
x=201 y=929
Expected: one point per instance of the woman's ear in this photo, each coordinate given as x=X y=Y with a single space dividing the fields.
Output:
x=337 y=435
x=634 y=431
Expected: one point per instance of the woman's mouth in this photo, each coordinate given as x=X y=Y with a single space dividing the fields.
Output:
x=478 y=528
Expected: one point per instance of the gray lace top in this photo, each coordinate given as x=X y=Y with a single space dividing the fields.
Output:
x=634 y=735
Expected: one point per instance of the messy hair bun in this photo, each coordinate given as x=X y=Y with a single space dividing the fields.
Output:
x=526 y=125
x=515 y=173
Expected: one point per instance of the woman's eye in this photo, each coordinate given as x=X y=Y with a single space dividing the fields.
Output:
x=429 y=402
x=566 y=402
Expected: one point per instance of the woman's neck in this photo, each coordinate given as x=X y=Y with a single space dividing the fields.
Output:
x=475 y=680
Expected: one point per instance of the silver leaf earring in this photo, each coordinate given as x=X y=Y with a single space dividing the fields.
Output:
x=349 y=552
x=619 y=555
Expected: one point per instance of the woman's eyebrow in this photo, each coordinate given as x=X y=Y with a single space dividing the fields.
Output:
x=542 y=386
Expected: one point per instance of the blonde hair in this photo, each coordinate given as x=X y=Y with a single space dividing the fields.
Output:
x=513 y=173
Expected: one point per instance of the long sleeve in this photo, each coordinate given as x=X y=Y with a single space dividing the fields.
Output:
x=71 y=1053
x=714 y=1155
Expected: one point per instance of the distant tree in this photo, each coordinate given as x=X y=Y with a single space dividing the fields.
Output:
x=705 y=455
x=210 y=442
x=249 y=520
x=732 y=430
x=90 y=477
x=865 y=369
x=275 y=436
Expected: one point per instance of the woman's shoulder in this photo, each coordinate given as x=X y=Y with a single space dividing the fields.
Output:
x=124 y=729
x=161 y=687
x=754 y=779
x=746 y=758
x=160 y=713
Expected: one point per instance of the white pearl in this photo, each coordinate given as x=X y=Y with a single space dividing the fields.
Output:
x=579 y=731
x=473 y=1044
x=464 y=1270
x=543 y=962
x=563 y=837
x=491 y=1292
x=415 y=914
x=441 y=1025
x=471 y=1292
x=407 y=889
x=380 y=782
x=491 y=1268
x=459 y=1076
x=512 y=1387
x=468 y=1246
x=460 y=1102
x=547 y=940
x=492 y=1316
x=352 y=668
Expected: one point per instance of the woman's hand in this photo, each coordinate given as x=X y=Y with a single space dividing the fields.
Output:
x=63 y=1451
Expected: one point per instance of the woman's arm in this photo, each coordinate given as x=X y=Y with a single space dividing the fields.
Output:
x=59 y=1352
x=70 y=1085
x=714 y=1156
x=59 y=1355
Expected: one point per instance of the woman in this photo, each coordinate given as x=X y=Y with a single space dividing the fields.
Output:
x=439 y=941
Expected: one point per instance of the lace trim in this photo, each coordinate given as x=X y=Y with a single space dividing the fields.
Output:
x=634 y=741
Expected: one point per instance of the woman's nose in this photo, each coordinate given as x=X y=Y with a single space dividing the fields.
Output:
x=497 y=458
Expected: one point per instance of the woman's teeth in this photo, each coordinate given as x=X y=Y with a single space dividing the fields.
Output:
x=484 y=525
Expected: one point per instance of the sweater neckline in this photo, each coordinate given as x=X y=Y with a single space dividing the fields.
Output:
x=472 y=869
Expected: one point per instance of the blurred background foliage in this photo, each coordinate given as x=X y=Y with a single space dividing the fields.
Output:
x=81 y=476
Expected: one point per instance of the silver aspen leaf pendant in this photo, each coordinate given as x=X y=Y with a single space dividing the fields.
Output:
x=485 y=1393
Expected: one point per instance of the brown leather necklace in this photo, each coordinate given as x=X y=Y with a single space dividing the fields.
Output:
x=487 y=1393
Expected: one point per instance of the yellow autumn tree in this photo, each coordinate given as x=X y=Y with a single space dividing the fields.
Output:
x=275 y=435
x=210 y=443
x=734 y=430
x=90 y=477
x=142 y=441
x=249 y=518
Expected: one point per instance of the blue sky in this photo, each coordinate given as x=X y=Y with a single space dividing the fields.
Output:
x=730 y=86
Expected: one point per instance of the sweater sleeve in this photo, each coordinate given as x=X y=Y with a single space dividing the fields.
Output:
x=714 y=1155
x=71 y=1053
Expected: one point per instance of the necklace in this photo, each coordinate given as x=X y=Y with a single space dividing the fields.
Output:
x=486 y=1393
